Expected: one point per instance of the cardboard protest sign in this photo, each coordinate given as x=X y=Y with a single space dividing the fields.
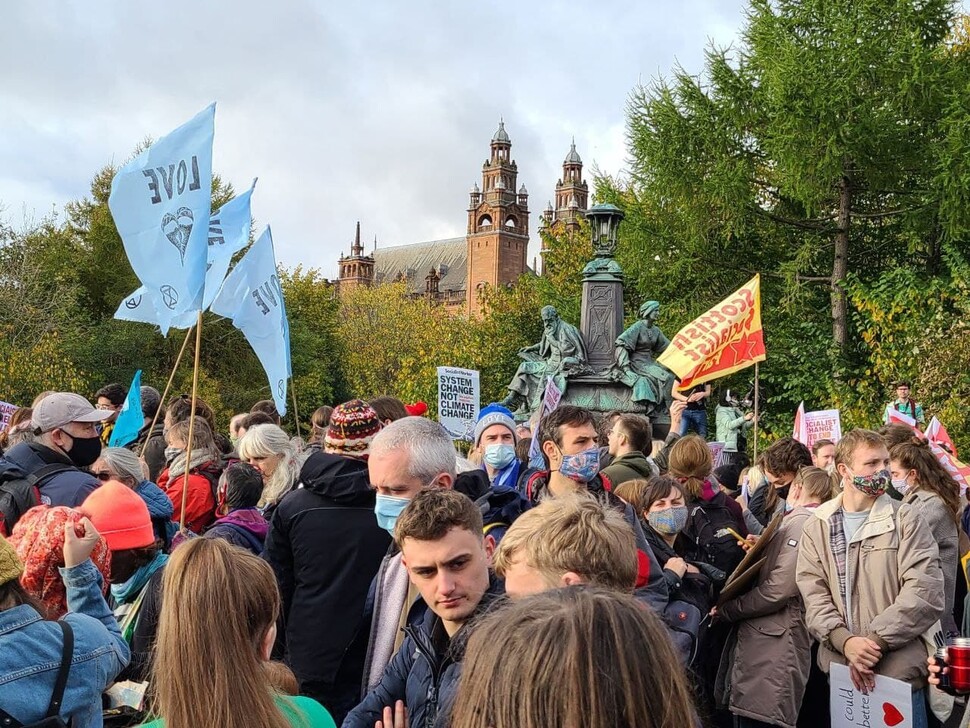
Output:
x=742 y=578
x=458 y=400
x=889 y=705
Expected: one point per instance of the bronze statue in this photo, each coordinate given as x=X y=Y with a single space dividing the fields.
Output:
x=560 y=354
x=635 y=364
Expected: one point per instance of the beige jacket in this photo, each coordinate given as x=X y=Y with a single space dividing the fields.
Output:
x=893 y=577
x=770 y=657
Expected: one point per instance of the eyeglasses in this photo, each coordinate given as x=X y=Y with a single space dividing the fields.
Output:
x=103 y=475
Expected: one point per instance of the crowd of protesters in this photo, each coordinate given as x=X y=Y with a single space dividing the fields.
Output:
x=374 y=576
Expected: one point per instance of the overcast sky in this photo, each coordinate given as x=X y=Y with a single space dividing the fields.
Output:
x=374 y=111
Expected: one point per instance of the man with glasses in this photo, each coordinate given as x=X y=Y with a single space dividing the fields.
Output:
x=110 y=398
x=66 y=444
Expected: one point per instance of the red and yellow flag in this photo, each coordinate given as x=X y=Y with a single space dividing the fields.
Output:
x=727 y=338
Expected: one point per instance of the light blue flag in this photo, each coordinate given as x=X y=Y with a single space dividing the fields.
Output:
x=130 y=419
x=253 y=298
x=160 y=202
x=228 y=234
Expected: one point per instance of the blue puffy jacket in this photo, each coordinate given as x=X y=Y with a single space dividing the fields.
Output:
x=30 y=653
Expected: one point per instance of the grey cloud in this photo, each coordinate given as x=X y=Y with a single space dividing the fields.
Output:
x=378 y=111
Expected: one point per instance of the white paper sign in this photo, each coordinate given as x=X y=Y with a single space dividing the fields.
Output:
x=458 y=399
x=823 y=425
x=889 y=705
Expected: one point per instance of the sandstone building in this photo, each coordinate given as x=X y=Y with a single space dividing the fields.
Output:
x=494 y=250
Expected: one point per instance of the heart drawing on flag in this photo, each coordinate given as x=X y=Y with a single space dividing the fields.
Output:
x=891 y=715
x=177 y=227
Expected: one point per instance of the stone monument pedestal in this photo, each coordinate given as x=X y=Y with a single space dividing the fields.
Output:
x=601 y=394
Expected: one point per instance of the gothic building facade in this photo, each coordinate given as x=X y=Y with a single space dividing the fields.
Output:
x=494 y=250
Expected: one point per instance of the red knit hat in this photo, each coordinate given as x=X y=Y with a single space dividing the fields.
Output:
x=120 y=515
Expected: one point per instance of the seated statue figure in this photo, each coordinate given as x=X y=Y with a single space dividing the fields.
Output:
x=560 y=354
x=634 y=361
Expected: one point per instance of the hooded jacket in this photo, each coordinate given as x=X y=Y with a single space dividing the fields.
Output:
x=892 y=571
x=325 y=546
x=632 y=466
x=68 y=487
x=424 y=673
x=243 y=527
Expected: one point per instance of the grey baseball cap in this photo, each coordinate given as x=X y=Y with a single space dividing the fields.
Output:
x=61 y=408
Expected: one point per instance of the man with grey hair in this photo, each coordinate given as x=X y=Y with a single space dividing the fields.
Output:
x=66 y=440
x=407 y=456
x=154 y=453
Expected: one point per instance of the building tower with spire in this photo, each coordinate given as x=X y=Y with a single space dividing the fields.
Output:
x=572 y=200
x=356 y=269
x=498 y=224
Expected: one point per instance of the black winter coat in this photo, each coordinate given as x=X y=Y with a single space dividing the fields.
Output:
x=325 y=546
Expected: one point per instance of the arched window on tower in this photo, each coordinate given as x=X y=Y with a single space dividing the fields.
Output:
x=510 y=222
x=485 y=221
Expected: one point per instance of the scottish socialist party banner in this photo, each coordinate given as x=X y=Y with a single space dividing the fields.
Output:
x=160 y=202
x=228 y=234
x=727 y=338
x=253 y=298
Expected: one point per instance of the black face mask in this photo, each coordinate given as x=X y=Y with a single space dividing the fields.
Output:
x=84 y=450
x=783 y=491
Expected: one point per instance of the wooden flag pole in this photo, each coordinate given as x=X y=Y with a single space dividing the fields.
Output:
x=756 y=398
x=296 y=413
x=188 y=445
x=161 y=403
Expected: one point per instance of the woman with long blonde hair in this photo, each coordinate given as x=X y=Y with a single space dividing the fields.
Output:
x=269 y=449
x=581 y=656
x=217 y=628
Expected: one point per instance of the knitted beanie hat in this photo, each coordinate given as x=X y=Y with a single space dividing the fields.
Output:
x=352 y=428
x=494 y=414
x=10 y=566
x=120 y=515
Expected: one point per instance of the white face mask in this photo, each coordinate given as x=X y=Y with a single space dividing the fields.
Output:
x=901 y=485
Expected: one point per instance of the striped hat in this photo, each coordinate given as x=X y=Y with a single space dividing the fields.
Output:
x=352 y=428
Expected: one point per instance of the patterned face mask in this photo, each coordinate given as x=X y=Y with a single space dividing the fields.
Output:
x=668 y=521
x=872 y=485
x=581 y=467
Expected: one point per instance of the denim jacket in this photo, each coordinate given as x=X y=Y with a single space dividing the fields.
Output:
x=31 y=648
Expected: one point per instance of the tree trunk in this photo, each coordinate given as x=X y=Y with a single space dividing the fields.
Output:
x=840 y=267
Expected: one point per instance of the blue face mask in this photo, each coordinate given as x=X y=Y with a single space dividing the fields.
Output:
x=581 y=467
x=498 y=456
x=387 y=509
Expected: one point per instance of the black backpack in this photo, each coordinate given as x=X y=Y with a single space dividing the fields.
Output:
x=19 y=492
x=53 y=718
x=709 y=538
